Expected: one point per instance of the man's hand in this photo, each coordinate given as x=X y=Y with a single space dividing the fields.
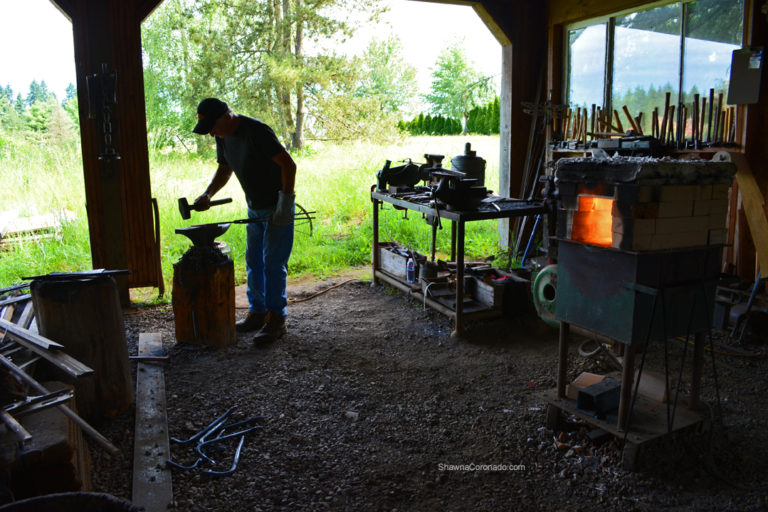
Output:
x=202 y=203
x=283 y=215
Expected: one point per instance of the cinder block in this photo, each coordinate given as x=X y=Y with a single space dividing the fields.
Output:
x=632 y=243
x=583 y=380
x=631 y=226
x=627 y=193
x=564 y=223
x=635 y=210
x=720 y=191
x=675 y=208
x=678 y=193
x=705 y=192
x=717 y=220
x=718 y=236
x=681 y=224
x=679 y=240
x=602 y=397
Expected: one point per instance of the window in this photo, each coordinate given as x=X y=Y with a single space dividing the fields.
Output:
x=635 y=59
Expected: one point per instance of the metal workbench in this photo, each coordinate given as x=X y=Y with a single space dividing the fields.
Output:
x=492 y=207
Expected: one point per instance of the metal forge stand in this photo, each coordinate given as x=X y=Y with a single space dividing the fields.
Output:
x=634 y=298
x=496 y=208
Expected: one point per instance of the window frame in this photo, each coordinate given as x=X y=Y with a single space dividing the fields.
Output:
x=610 y=32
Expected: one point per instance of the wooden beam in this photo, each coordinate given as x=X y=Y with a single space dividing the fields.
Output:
x=755 y=150
x=754 y=207
x=152 y=484
x=569 y=11
x=145 y=8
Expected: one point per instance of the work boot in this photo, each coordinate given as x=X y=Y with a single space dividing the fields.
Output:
x=273 y=329
x=250 y=322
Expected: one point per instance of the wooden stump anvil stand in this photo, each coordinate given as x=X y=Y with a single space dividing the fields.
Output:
x=204 y=297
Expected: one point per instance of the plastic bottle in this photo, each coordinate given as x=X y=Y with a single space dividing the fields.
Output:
x=410 y=271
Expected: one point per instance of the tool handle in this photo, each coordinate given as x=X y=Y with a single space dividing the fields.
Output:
x=220 y=201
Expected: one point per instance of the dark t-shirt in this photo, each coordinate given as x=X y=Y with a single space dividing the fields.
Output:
x=249 y=153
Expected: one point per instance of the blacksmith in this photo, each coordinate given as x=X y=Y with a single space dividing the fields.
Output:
x=267 y=173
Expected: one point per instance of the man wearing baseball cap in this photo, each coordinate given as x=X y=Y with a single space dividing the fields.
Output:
x=249 y=148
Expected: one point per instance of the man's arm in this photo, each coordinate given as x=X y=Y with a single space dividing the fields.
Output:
x=220 y=178
x=287 y=170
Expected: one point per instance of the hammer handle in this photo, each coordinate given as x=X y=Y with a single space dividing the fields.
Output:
x=220 y=201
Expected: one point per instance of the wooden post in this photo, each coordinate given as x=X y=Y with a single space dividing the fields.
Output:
x=204 y=298
x=85 y=316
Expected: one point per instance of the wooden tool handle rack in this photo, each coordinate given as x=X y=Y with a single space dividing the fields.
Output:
x=505 y=208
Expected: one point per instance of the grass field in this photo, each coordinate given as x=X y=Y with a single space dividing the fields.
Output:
x=332 y=179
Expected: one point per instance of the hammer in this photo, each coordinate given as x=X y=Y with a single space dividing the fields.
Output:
x=185 y=208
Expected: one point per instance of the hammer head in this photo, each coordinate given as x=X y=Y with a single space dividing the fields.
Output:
x=184 y=208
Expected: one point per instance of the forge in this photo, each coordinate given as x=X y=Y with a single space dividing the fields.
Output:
x=639 y=244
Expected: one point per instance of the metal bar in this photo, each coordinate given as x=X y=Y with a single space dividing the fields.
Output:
x=88 y=429
x=14 y=426
x=698 y=366
x=19 y=407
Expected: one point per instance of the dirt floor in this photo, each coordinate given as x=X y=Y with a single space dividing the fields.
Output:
x=370 y=404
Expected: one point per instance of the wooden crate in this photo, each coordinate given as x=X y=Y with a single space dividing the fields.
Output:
x=391 y=261
x=490 y=295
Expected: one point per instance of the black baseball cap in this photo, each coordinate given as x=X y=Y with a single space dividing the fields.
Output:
x=208 y=111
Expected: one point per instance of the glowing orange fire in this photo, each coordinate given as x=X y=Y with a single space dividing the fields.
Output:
x=592 y=223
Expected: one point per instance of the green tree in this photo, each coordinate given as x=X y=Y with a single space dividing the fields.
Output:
x=59 y=129
x=70 y=106
x=38 y=92
x=456 y=87
x=38 y=116
x=19 y=105
x=387 y=77
x=252 y=54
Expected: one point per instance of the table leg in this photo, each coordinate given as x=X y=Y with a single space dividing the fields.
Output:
x=562 y=359
x=627 y=378
x=453 y=241
x=375 y=256
x=459 y=326
x=434 y=237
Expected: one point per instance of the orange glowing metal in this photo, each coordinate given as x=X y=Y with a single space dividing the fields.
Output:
x=592 y=223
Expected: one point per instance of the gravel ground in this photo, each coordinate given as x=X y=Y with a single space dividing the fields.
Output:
x=369 y=404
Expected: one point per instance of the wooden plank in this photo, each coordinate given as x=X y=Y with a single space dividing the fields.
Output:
x=152 y=485
x=14 y=300
x=754 y=202
x=27 y=315
x=59 y=359
x=6 y=313
x=28 y=335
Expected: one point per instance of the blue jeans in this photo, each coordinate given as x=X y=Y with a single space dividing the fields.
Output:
x=267 y=250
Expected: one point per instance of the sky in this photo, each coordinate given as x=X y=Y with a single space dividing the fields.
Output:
x=37 y=41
